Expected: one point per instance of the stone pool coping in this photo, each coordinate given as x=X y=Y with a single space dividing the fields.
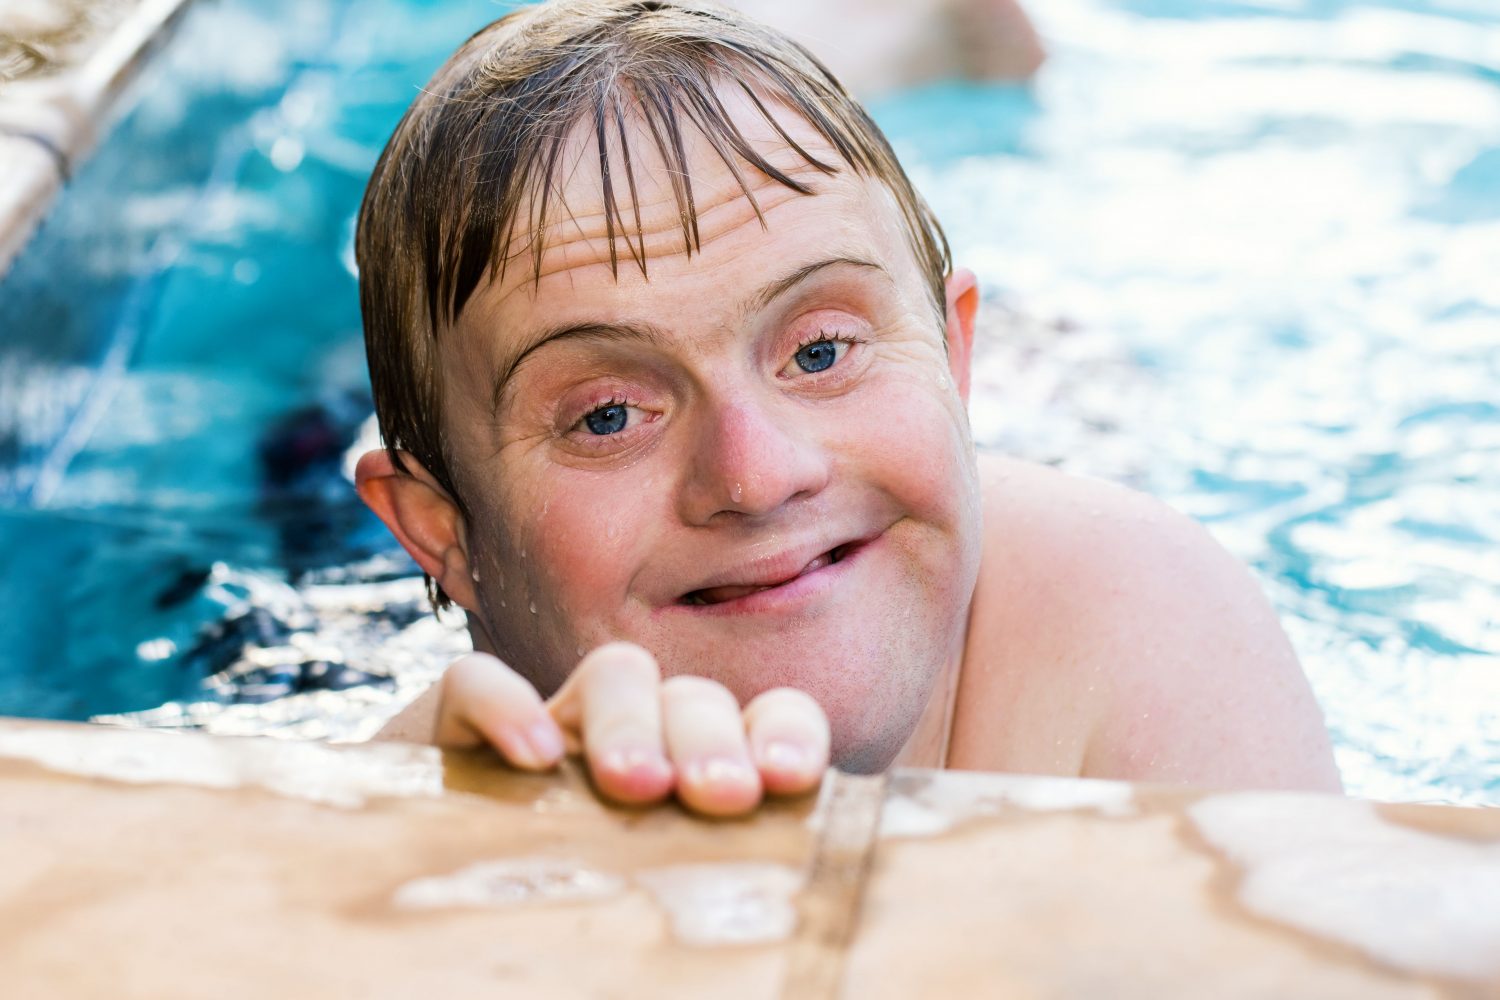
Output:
x=57 y=107
x=171 y=865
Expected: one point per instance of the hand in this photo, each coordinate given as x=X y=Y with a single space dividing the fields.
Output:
x=642 y=737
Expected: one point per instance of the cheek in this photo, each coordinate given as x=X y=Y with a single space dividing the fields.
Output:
x=588 y=532
x=908 y=433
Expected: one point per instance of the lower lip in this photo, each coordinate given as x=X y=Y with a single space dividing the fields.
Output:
x=793 y=595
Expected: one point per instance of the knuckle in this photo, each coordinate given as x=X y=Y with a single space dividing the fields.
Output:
x=786 y=700
x=619 y=659
x=697 y=689
x=464 y=671
x=482 y=677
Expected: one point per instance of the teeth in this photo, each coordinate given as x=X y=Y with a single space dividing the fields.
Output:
x=718 y=595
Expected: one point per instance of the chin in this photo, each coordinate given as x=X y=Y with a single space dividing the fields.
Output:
x=866 y=757
x=868 y=734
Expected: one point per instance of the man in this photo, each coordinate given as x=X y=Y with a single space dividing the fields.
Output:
x=671 y=363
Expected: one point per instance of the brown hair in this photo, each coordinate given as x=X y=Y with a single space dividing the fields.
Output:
x=482 y=144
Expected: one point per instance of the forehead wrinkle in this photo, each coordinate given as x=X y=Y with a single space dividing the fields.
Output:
x=652 y=217
x=661 y=237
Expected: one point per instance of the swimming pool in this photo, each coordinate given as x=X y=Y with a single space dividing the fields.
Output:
x=1236 y=255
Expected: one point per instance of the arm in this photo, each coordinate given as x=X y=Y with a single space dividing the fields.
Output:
x=417 y=722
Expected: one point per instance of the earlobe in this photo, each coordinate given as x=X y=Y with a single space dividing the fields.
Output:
x=422 y=516
x=962 y=309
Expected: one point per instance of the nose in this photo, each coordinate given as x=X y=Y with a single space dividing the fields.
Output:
x=750 y=459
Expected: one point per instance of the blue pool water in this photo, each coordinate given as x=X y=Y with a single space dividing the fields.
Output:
x=1238 y=254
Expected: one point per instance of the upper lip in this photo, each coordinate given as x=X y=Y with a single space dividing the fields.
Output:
x=772 y=569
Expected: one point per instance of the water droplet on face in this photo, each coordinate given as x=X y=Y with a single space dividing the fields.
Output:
x=578 y=651
x=533 y=607
x=738 y=493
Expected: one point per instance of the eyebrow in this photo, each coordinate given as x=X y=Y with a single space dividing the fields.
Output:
x=646 y=333
x=773 y=291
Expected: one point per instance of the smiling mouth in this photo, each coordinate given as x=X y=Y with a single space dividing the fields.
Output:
x=730 y=592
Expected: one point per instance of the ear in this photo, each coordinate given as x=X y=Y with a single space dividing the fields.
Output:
x=422 y=516
x=963 y=306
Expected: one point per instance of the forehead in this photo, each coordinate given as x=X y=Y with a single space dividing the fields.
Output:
x=627 y=220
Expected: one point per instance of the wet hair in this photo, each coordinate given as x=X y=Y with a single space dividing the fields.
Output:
x=464 y=188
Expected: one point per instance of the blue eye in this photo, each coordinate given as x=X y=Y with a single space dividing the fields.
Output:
x=817 y=356
x=608 y=419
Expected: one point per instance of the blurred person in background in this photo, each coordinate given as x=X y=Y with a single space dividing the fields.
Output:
x=874 y=46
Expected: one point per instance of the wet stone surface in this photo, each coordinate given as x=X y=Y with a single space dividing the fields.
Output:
x=441 y=869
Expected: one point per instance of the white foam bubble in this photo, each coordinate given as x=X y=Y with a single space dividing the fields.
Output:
x=1332 y=867
x=509 y=882
x=312 y=771
x=726 y=903
x=924 y=807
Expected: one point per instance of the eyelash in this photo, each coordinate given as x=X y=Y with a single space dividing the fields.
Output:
x=612 y=400
x=824 y=335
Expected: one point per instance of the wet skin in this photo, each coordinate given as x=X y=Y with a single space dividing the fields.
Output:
x=750 y=472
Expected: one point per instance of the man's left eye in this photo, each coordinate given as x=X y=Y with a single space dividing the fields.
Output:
x=611 y=418
x=819 y=356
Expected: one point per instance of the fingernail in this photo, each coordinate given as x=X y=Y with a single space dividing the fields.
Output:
x=632 y=759
x=545 y=740
x=784 y=757
x=719 y=771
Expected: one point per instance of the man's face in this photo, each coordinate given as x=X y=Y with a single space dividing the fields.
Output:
x=755 y=463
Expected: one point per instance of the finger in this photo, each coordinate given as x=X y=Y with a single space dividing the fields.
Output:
x=705 y=737
x=614 y=701
x=788 y=733
x=483 y=700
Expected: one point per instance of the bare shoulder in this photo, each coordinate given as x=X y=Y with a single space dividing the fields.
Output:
x=1111 y=636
